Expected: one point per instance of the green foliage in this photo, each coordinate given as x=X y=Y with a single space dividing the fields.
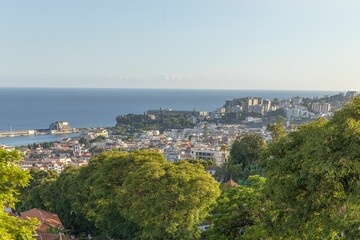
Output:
x=102 y=180
x=224 y=148
x=85 y=142
x=277 y=130
x=133 y=195
x=243 y=160
x=97 y=139
x=279 y=113
x=233 y=117
x=238 y=211
x=131 y=123
x=47 y=145
x=66 y=197
x=202 y=162
x=14 y=228
x=44 y=145
x=314 y=179
x=246 y=150
x=32 y=195
x=11 y=178
x=168 y=200
x=237 y=172
x=53 y=230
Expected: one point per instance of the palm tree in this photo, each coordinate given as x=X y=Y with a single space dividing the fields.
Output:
x=224 y=148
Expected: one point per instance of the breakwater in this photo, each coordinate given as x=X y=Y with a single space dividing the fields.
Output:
x=17 y=133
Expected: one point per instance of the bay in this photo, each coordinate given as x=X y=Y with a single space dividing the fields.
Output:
x=36 y=108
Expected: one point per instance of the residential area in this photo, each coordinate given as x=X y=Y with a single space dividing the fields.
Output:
x=210 y=137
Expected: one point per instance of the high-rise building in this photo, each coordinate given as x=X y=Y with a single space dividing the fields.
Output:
x=321 y=107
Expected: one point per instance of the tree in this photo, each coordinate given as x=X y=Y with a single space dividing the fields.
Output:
x=243 y=160
x=85 y=142
x=102 y=180
x=245 y=151
x=136 y=195
x=167 y=200
x=224 y=148
x=277 y=130
x=32 y=195
x=67 y=197
x=11 y=178
x=132 y=123
x=202 y=162
x=97 y=139
x=238 y=211
x=279 y=113
x=313 y=179
x=236 y=172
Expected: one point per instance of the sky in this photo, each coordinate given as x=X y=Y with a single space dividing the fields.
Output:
x=195 y=44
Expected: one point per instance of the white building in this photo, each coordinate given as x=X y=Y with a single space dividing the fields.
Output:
x=322 y=108
x=207 y=153
x=56 y=166
x=171 y=155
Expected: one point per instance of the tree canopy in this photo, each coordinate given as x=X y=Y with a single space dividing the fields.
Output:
x=277 y=130
x=11 y=178
x=238 y=212
x=314 y=178
x=134 y=195
x=31 y=195
x=167 y=200
x=244 y=156
x=159 y=121
x=245 y=150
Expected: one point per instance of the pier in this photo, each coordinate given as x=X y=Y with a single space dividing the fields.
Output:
x=17 y=133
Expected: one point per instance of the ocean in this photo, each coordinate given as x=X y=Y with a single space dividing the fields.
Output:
x=36 y=108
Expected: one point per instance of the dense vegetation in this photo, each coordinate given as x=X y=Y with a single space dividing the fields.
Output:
x=313 y=179
x=31 y=195
x=131 y=123
x=311 y=190
x=130 y=195
x=44 y=145
x=243 y=160
x=238 y=212
x=11 y=178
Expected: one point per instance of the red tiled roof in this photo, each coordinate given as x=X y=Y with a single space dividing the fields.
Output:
x=47 y=219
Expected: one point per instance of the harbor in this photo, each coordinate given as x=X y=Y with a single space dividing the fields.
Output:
x=24 y=140
x=55 y=132
x=11 y=133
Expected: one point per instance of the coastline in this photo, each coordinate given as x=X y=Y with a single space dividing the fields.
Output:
x=34 y=108
x=25 y=140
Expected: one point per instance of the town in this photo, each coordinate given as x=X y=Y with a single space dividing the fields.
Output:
x=179 y=135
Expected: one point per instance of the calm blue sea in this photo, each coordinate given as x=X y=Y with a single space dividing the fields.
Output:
x=36 y=108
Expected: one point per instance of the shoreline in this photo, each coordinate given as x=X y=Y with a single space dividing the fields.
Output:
x=26 y=140
x=35 y=132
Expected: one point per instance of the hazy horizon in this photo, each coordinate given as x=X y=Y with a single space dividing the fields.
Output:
x=195 y=89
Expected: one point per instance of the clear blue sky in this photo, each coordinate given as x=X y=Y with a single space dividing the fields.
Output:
x=253 y=44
